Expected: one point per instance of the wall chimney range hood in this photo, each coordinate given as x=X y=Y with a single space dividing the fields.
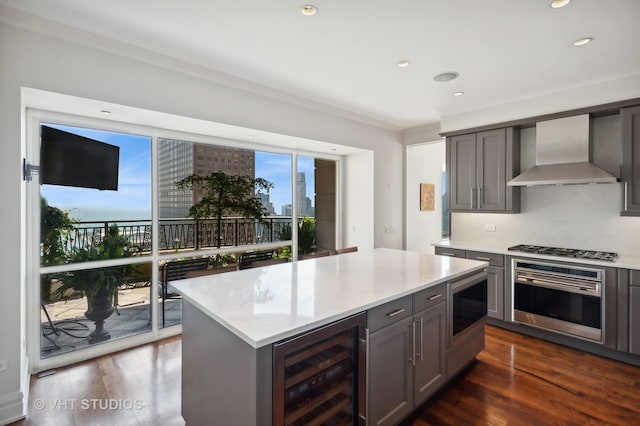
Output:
x=562 y=155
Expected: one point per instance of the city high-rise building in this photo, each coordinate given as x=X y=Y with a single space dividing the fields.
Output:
x=179 y=159
x=304 y=203
x=266 y=203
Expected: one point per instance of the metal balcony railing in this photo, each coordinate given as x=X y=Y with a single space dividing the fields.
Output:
x=180 y=234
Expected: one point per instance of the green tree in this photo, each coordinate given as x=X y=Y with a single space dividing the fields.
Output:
x=306 y=235
x=226 y=195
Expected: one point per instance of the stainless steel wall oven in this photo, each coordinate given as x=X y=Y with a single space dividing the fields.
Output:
x=564 y=298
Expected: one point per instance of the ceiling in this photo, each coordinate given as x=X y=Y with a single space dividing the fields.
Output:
x=346 y=55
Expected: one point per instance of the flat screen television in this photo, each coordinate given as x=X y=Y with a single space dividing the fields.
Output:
x=71 y=160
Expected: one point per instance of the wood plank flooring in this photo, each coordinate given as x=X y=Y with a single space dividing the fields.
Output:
x=517 y=380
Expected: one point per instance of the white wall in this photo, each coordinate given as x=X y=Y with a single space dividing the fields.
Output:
x=43 y=61
x=423 y=165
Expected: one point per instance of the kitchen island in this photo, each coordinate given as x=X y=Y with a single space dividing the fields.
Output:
x=233 y=321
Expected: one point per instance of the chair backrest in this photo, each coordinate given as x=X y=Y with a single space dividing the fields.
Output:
x=260 y=263
x=247 y=259
x=212 y=271
x=178 y=269
x=314 y=255
x=347 y=250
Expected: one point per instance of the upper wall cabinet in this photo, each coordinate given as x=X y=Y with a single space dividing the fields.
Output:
x=479 y=165
x=630 y=169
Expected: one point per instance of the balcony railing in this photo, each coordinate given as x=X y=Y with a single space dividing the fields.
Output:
x=181 y=234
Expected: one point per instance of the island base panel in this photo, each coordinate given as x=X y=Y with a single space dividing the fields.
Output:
x=224 y=380
x=465 y=348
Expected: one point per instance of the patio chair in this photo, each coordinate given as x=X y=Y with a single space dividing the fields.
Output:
x=212 y=271
x=314 y=255
x=347 y=250
x=267 y=262
x=247 y=259
x=178 y=270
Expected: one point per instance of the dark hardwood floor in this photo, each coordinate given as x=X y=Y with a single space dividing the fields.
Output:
x=517 y=380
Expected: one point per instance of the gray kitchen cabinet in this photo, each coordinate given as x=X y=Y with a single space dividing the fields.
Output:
x=430 y=369
x=462 y=168
x=630 y=166
x=495 y=282
x=479 y=166
x=634 y=313
x=390 y=375
x=407 y=354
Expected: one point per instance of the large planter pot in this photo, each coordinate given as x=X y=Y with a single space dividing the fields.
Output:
x=99 y=308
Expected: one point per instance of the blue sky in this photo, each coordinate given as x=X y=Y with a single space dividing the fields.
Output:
x=132 y=200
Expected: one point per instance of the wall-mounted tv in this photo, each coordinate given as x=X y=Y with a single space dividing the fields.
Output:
x=71 y=160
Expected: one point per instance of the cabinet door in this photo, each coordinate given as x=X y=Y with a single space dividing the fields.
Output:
x=463 y=171
x=390 y=373
x=634 y=320
x=495 y=292
x=630 y=168
x=491 y=163
x=430 y=371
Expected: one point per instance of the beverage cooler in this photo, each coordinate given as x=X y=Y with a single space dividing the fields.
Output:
x=319 y=376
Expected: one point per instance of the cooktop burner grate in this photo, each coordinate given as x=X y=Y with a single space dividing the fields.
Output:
x=566 y=252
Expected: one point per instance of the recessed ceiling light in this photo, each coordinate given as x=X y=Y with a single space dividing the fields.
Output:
x=458 y=93
x=403 y=63
x=583 y=41
x=105 y=112
x=446 y=76
x=557 y=4
x=309 y=10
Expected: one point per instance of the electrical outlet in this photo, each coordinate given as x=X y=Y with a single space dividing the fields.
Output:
x=4 y=364
x=490 y=227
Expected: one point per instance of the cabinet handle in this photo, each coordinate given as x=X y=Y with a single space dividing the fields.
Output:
x=412 y=358
x=421 y=337
x=448 y=253
x=625 y=197
x=471 y=195
x=487 y=259
x=479 y=198
x=435 y=296
x=396 y=312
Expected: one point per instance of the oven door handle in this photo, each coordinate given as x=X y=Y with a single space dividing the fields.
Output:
x=590 y=288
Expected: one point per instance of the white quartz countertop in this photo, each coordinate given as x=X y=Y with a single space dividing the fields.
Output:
x=623 y=261
x=265 y=305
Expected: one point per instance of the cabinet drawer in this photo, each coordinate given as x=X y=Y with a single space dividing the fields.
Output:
x=429 y=297
x=386 y=314
x=635 y=277
x=446 y=251
x=494 y=259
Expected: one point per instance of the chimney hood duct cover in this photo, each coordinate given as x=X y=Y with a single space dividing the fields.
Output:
x=562 y=155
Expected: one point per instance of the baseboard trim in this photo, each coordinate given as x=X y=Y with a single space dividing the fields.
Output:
x=11 y=408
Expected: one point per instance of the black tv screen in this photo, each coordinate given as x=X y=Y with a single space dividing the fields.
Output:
x=71 y=160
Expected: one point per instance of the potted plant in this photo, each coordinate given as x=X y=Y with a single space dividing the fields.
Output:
x=99 y=285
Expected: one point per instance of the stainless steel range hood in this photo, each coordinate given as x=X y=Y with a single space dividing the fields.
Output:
x=562 y=155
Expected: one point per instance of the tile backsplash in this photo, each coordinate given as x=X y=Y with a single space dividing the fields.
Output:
x=573 y=216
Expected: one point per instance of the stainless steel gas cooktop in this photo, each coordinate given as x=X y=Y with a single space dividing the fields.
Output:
x=566 y=252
